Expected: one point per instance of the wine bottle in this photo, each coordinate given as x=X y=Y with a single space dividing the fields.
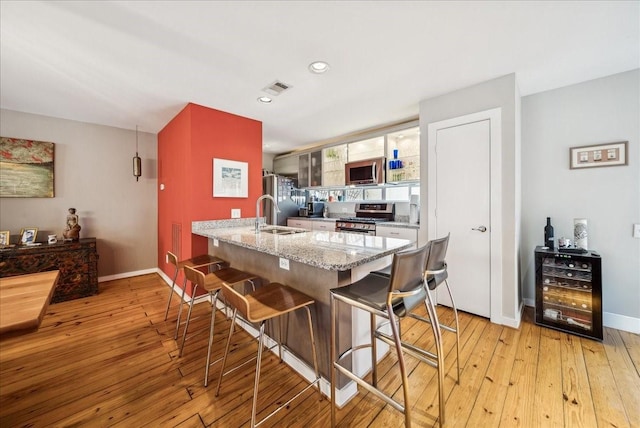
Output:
x=548 y=234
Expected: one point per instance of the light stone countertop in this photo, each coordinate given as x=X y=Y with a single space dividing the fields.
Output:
x=326 y=250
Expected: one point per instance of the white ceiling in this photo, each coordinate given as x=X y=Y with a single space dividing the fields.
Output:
x=138 y=63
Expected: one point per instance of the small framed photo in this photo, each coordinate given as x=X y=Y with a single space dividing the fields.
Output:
x=610 y=154
x=28 y=235
x=4 y=238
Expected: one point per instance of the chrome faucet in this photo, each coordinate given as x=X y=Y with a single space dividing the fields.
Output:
x=275 y=209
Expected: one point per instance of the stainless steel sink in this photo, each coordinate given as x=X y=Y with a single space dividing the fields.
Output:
x=281 y=230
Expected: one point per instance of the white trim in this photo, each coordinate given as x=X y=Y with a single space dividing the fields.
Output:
x=495 y=119
x=128 y=275
x=621 y=322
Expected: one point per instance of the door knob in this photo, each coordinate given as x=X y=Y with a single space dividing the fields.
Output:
x=480 y=229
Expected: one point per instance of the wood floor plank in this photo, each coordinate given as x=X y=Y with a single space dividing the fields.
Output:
x=625 y=374
x=606 y=397
x=464 y=396
x=548 y=410
x=632 y=344
x=519 y=402
x=578 y=407
x=493 y=390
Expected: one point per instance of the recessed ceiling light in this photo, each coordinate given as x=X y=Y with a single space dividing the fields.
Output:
x=264 y=100
x=318 y=67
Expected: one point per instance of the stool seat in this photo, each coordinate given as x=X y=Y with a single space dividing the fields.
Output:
x=273 y=300
x=203 y=260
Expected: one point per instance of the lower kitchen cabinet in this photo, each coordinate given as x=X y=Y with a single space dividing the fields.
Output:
x=302 y=224
x=397 y=232
x=324 y=225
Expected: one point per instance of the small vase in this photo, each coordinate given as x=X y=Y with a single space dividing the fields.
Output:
x=580 y=233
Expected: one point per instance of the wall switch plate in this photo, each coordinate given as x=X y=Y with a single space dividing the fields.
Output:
x=235 y=213
x=216 y=243
x=284 y=263
x=636 y=230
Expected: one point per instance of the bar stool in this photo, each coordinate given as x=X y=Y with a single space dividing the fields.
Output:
x=268 y=302
x=211 y=282
x=198 y=261
x=390 y=297
x=436 y=274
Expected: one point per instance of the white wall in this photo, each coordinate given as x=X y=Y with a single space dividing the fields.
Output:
x=93 y=173
x=599 y=111
x=501 y=92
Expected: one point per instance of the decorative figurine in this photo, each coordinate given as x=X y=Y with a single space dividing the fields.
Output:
x=72 y=230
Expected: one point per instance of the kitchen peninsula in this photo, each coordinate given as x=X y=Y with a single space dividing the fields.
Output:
x=311 y=261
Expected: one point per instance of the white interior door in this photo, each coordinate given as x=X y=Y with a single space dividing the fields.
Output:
x=463 y=208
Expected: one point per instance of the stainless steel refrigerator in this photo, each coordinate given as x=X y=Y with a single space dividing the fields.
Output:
x=289 y=198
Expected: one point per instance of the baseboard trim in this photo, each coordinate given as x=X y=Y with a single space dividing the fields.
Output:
x=127 y=275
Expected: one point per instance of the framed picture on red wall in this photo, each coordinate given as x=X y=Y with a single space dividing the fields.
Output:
x=230 y=179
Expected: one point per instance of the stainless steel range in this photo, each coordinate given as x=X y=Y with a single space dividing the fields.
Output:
x=367 y=215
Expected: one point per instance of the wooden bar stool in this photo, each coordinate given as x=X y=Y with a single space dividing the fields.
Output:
x=198 y=261
x=268 y=302
x=392 y=298
x=211 y=282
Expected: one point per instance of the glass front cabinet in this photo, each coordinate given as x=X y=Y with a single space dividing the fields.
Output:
x=569 y=292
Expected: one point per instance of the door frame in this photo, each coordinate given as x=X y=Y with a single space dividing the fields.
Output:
x=495 y=211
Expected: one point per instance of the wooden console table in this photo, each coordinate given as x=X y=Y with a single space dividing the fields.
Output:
x=24 y=300
x=77 y=262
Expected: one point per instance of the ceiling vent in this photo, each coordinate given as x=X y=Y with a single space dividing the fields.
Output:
x=276 y=88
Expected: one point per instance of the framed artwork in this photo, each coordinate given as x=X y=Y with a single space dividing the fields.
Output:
x=610 y=154
x=26 y=168
x=28 y=235
x=4 y=238
x=230 y=179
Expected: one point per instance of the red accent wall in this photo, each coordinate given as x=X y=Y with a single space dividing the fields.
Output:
x=187 y=146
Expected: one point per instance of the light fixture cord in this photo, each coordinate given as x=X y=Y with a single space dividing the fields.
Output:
x=136 y=140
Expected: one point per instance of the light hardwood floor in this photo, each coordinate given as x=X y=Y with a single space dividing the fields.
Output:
x=110 y=360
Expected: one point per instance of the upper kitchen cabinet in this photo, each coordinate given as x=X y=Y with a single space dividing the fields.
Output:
x=333 y=161
x=303 y=170
x=366 y=149
x=403 y=155
x=286 y=165
x=316 y=168
x=310 y=169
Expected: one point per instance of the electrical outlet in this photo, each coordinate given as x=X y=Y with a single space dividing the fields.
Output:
x=344 y=209
x=235 y=213
x=216 y=243
x=284 y=263
x=636 y=230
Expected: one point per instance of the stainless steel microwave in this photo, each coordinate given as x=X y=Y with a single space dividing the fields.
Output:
x=369 y=171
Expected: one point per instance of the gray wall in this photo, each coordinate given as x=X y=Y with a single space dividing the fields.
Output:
x=501 y=92
x=599 y=111
x=93 y=173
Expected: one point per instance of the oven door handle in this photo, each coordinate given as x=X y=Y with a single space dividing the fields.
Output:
x=374 y=172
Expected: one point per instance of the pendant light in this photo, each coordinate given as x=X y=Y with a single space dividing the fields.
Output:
x=137 y=162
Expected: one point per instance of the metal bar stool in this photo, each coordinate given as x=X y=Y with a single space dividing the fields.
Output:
x=436 y=274
x=268 y=302
x=198 y=261
x=212 y=282
x=392 y=298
